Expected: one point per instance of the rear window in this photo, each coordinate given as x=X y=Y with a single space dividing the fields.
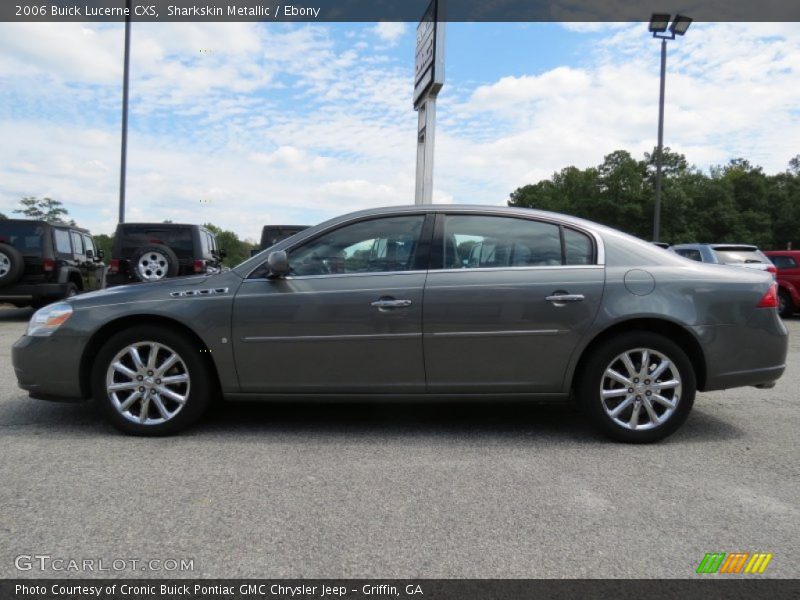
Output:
x=179 y=240
x=25 y=237
x=692 y=253
x=738 y=256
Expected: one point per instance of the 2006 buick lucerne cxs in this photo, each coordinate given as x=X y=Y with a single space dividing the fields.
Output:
x=429 y=302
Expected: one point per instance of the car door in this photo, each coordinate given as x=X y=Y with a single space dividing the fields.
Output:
x=346 y=319
x=95 y=269
x=507 y=300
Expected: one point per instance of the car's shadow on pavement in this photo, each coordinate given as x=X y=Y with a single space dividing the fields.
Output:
x=242 y=422
x=9 y=313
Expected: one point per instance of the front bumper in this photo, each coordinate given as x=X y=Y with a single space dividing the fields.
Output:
x=49 y=367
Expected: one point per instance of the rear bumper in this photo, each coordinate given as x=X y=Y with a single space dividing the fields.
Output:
x=752 y=354
x=49 y=367
x=29 y=291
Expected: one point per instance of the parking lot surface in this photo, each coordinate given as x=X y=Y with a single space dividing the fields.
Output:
x=410 y=490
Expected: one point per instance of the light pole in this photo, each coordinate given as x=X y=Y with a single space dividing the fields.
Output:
x=123 y=159
x=661 y=29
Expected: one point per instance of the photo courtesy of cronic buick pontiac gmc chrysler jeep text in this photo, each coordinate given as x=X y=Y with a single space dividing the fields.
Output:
x=420 y=302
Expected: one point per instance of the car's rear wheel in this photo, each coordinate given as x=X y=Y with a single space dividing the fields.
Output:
x=785 y=305
x=638 y=387
x=151 y=381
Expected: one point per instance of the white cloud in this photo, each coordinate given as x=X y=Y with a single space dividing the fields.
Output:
x=390 y=32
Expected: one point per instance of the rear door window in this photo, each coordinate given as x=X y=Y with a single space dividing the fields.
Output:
x=692 y=253
x=77 y=242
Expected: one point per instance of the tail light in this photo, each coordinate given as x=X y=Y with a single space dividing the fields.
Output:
x=199 y=266
x=772 y=269
x=113 y=266
x=770 y=299
x=48 y=265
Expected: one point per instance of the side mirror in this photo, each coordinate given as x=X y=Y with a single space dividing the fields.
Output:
x=89 y=254
x=278 y=263
x=100 y=254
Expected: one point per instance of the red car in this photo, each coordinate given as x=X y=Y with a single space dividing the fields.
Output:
x=788 y=264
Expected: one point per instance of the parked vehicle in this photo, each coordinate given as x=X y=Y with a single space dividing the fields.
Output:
x=154 y=251
x=739 y=255
x=42 y=262
x=431 y=301
x=272 y=234
x=787 y=263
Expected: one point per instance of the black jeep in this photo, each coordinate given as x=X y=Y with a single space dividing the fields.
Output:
x=154 y=251
x=43 y=262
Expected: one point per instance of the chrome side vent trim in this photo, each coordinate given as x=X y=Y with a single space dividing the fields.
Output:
x=202 y=292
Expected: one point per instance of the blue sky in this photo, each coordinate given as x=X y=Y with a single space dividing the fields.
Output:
x=243 y=124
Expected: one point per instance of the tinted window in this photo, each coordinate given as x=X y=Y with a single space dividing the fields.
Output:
x=784 y=262
x=61 y=237
x=77 y=242
x=692 y=253
x=733 y=256
x=378 y=245
x=472 y=242
x=578 y=248
x=205 y=243
x=25 y=237
x=178 y=239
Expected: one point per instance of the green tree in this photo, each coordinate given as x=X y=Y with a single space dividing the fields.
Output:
x=44 y=209
x=104 y=242
x=235 y=249
x=3 y=217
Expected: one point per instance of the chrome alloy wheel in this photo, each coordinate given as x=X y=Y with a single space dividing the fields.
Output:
x=5 y=264
x=148 y=383
x=152 y=266
x=640 y=389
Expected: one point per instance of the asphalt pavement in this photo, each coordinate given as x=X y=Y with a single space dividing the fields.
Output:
x=410 y=490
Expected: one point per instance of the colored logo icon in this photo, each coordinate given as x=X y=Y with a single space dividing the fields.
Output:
x=734 y=563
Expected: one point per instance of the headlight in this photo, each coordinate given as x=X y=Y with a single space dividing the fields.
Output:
x=46 y=320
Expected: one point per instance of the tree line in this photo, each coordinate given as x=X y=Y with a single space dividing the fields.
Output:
x=736 y=202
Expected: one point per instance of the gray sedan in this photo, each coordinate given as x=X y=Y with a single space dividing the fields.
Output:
x=434 y=302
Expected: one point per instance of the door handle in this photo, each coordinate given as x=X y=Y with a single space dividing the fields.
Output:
x=564 y=298
x=390 y=303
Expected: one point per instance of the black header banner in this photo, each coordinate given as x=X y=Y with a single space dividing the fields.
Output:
x=393 y=10
x=710 y=588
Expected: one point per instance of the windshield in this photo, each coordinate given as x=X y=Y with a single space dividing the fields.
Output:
x=25 y=237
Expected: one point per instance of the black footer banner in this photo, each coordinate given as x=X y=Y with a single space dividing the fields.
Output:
x=384 y=589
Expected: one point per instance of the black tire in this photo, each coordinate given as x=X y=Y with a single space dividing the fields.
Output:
x=160 y=270
x=71 y=290
x=12 y=265
x=785 y=305
x=198 y=390
x=593 y=379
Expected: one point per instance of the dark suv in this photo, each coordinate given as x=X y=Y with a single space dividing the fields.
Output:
x=155 y=251
x=272 y=234
x=43 y=262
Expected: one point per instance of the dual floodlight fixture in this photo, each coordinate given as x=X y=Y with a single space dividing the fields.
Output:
x=661 y=28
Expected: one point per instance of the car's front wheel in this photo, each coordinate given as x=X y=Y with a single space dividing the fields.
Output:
x=638 y=387
x=151 y=381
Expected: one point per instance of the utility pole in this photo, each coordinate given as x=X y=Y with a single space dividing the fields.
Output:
x=123 y=161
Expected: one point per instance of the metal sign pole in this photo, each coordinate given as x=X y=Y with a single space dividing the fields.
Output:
x=428 y=80
x=426 y=130
x=123 y=159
